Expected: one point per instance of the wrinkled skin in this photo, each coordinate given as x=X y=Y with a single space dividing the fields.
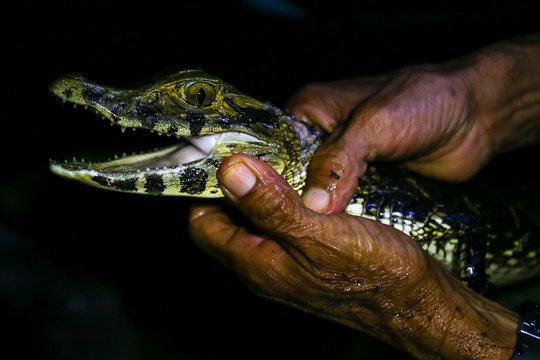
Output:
x=421 y=117
x=351 y=270
x=446 y=122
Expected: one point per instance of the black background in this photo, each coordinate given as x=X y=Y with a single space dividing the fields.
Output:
x=91 y=274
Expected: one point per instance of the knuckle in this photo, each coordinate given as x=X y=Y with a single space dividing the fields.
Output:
x=273 y=210
x=439 y=85
x=313 y=88
x=306 y=94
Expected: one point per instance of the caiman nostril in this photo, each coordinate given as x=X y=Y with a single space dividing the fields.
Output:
x=67 y=93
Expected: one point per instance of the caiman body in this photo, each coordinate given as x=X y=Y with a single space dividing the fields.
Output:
x=214 y=120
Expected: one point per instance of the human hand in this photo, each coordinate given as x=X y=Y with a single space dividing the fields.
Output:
x=426 y=117
x=354 y=271
x=445 y=121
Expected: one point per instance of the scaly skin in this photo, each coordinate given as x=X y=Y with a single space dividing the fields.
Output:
x=190 y=104
x=214 y=121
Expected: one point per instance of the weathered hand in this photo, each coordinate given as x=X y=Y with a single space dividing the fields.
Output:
x=427 y=117
x=354 y=271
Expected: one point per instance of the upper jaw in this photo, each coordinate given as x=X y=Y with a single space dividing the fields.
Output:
x=234 y=124
x=163 y=109
x=125 y=108
x=159 y=114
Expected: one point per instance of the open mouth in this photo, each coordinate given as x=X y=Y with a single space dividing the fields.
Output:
x=189 y=151
x=184 y=169
x=197 y=109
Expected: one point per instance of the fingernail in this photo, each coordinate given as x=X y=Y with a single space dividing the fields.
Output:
x=238 y=179
x=316 y=199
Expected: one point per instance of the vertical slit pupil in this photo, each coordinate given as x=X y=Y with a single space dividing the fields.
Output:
x=201 y=96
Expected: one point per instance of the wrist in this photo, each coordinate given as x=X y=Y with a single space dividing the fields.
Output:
x=480 y=328
x=454 y=322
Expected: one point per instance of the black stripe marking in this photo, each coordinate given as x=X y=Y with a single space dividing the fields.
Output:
x=254 y=118
x=193 y=180
x=126 y=184
x=119 y=109
x=93 y=94
x=121 y=184
x=101 y=180
x=146 y=114
x=154 y=184
x=233 y=105
x=196 y=123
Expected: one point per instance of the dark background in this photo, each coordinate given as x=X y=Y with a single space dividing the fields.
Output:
x=91 y=274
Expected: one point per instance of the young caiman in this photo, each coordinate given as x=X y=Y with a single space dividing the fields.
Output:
x=213 y=121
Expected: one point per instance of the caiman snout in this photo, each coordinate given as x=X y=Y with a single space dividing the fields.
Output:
x=77 y=90
x=67 y=89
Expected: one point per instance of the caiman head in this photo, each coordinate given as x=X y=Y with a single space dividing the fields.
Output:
x=212 y=121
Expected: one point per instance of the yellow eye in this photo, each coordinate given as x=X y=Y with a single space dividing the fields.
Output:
x=200 y=94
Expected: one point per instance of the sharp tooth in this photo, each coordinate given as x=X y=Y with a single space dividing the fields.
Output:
x=123 y=129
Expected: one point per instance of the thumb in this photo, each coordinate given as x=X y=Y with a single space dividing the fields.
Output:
x=264 y=197
x=333 y=174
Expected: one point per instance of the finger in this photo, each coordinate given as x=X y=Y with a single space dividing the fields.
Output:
x=333 y=174
x=315 y=105
x=335 y=168
x=329 y=104
x=261 y=263
x=266 y=199
x=215 y=233
x=211 y=229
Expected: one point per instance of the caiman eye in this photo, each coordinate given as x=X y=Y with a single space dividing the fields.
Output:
x=200 y=94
